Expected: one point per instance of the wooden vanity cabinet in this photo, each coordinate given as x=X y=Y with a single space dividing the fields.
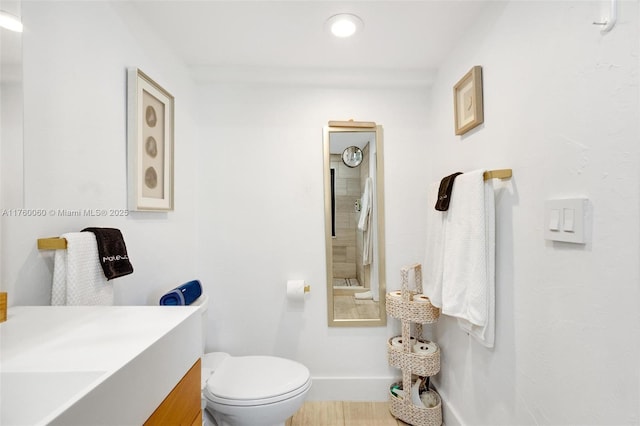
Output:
x=182 y=405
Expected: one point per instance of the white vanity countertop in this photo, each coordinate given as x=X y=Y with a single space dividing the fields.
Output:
x=93 y=364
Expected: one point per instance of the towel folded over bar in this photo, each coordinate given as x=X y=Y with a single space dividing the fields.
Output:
x=460 y=256
x=112 y=252
x=78 y=278
x=444 y=192
x=186 y=294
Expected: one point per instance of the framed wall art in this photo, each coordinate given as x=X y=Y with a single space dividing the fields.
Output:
x=150 y=134
x=467 y=101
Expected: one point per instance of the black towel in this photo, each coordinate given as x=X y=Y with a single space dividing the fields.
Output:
x=444 y=193
x=112 y=251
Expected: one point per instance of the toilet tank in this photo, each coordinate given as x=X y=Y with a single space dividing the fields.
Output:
x=202 y=303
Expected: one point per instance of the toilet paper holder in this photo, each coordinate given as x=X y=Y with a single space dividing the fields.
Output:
x=297 y=289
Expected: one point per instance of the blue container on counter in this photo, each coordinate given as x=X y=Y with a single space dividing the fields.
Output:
x=186 y=294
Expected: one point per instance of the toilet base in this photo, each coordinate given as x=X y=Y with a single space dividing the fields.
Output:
x=275 y=414
x=218 y=420
x=207 y=418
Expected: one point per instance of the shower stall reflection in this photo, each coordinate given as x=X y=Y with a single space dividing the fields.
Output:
x=352 y=194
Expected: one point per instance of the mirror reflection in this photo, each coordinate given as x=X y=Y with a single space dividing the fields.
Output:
x=352 y=156
x=11 y=159
x=355 y=229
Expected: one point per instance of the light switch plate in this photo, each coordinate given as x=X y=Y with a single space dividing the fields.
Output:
x=571 y=227
x=567 y=220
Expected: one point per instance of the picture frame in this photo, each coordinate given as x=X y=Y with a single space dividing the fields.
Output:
x=150 y=144
x=468 y=101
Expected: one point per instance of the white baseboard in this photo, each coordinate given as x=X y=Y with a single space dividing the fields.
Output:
x=350 y=388
x=450 y=416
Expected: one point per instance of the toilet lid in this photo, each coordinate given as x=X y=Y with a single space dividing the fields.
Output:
x=253 y=378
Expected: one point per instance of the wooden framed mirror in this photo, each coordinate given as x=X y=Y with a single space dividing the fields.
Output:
x=354 y=225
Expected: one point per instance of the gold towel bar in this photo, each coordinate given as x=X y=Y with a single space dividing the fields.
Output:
x=497 y=174
x=54 y=243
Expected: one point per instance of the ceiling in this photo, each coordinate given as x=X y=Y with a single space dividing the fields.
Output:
x=341 y=140
x=402 y=41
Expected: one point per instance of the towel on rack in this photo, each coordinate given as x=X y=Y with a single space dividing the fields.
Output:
x=78 y=278
x=470 y=262
x=466 y=234
x=444 y=192
x=433 y=261
x=112 y=252
x=364 y=223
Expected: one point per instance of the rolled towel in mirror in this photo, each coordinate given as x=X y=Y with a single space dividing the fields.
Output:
x=186 y=294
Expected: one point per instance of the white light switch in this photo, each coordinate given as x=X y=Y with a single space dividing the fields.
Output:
x=554 y=220
x=565 y=220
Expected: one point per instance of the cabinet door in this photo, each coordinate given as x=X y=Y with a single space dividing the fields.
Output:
x=182 y=405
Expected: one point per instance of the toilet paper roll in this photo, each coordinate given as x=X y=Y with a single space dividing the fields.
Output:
x=295 y=290
x=420 y=298
x=395 y=294
x=396 y=342
x=425 y=348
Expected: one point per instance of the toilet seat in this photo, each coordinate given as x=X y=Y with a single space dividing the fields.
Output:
x=257 y=402
x=256 y=380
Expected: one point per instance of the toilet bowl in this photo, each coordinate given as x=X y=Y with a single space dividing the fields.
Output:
x=253 y=390
x=250 y=390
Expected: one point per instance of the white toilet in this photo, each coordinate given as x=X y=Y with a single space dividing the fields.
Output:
x=249 y=390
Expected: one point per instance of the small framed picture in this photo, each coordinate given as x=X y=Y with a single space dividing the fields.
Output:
x=467 y=101
x=150 y=134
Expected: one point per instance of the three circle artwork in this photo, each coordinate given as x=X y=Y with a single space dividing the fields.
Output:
x=150 y=122
x=151 y=148
x=152 y=155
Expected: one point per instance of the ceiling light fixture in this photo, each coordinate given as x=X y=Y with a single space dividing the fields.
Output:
x=10 y=22
x=344 y=25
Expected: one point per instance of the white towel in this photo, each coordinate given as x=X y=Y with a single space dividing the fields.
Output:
x=433 y=262
x=460 y=255
x=364 y=223
x=78 y=278
x=485 y=334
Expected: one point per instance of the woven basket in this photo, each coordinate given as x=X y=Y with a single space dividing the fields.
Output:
x=413 y=315
x=414 y=415
x=419 y=364
x=421 y=313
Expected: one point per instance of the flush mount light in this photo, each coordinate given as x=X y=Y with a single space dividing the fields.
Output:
x=10 y=22
x=344 y=25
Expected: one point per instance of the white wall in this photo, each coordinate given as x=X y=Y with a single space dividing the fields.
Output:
x=75 y=60
x=561 y=110
x=262 y=223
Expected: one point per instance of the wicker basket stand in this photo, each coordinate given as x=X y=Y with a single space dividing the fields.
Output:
x=413 y=313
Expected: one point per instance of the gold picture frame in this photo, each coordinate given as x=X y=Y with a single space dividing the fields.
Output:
x=150 y=135
x=467 y=101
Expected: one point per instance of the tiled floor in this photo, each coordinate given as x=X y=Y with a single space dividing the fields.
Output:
x=346 y=283
x=344 y=413
x=347 y=307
